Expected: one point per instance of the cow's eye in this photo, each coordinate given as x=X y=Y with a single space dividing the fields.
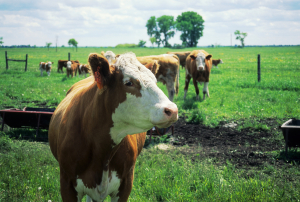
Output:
x=128 y=83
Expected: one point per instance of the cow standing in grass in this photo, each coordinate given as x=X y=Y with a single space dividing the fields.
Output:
x=46 y=66
x=72 y=68
x=198 y=66
x=98 y=130
x=215 y=62
x=83 y=69
x=63 y=63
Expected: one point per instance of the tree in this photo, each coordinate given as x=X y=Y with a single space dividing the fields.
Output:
x=73 y=42
x=166 y=24
x=1 y=42
x=240 y=36
x=141 y=43
x=152 y=40
x=191 y=25
x=48 y=45
x=152 y=30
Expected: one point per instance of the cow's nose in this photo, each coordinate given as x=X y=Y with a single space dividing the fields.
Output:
x=171 y=112
x=200 y=68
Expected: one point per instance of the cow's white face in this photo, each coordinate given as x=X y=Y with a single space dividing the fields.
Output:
x=200 y=61
x=110 y=56
x=49 y=65
x=138 y=113
x=69 y=63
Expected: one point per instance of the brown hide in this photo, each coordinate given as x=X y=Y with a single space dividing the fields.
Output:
x=182 y=57
x=44 y=66
x=79 y=133
x=216 y=62
x=84 y=69
x=73 y=70
x=63 y=63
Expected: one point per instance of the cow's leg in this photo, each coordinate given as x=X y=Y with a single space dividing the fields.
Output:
x=196 y=88
x=205 y=90
x=67 y=190
x=41 y=72
x=125 y=188
x=171 y=89
x=48 y=73
x=187 y=82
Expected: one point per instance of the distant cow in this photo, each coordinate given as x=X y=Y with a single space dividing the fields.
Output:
x=72 y=68
x=63 y=63
x=166 y=70
x=46 y=66
x=83 y=69
x=97 y=132
x=198 y=67
x=182 y=56
x=216 y=62
x=110 y=56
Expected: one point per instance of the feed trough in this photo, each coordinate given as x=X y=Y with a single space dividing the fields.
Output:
x=27 y=118
x=291 y=133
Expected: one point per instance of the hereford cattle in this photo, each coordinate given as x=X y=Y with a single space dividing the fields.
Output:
x=98 y=130
x=63 y=63
x=166 y=70
x=83 y=69
x=110 y=56
x=46 y=66
x=216 y=62
x=182 y=56
x=198 y=67
x=72 y=68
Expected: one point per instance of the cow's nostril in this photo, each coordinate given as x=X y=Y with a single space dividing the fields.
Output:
x=168 y=112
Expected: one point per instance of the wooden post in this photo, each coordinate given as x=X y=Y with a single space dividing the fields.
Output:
x=6 y=60
x=258 y=67
x=26 y=62
x=69 y=56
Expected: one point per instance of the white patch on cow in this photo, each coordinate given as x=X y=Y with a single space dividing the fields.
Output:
x=69 y=63
x=138 y=114
x=80 y=67
x=110 y=56
x=100 y=192
x=200 y=61
x=205 y=90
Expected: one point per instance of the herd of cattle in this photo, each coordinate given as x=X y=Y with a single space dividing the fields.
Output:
x=98 y=130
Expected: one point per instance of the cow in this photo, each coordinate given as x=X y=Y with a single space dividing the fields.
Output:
x=216 y=62
x=98 y=130
x=83 y=69
x=165 y=67
x=46 y=66
x=198 y=66
x=110 y=56
x=182 y=57
x=63 y=63
x=72 y=68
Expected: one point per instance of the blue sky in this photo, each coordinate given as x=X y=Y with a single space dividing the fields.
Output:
x=108 y=23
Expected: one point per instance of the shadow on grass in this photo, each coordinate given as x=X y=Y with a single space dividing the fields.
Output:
x=293 y=155
x=28 y=134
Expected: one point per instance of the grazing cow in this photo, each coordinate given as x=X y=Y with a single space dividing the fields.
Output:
x=182 y=57
x=110 y=56
x=63 y=63
x=72 y=68
x=198 y=67
x=166 y=70
x=83 y=69
x=98 y=130
x=216 y=62
x=46 y=66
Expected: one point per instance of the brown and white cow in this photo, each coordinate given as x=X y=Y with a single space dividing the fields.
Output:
x=63 y=63
x=110 y=56
x=166 y=70
x=198 y=67
x=83 y=69
x=216 y=62
x=98 y=130
x=46 y=66
x=72 y=68
x=182 y=56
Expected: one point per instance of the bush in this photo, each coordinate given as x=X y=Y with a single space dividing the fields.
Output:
x=126 y=45
x=177 y=46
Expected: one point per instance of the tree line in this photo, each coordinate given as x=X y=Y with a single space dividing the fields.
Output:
x=163 y=28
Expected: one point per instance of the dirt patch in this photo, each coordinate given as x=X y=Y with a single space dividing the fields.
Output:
x=244 y=148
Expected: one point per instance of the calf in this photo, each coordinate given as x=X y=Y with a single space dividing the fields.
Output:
x=63 y=63
x=83 y=69
x=46 y=66
x=216 y=62
x=72 y=68
x=110 y=56
x=166 y=70
x=98 y=130
x=198 y=67
x=182 y=57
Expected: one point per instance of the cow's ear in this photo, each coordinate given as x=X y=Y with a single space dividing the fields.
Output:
x=117 y=56
x=208 y=56
x=192 y=57
x=100 y=68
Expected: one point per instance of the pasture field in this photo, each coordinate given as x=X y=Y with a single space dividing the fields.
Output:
x=29 y=172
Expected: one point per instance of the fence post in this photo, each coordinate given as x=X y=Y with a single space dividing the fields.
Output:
x=69 y=56
x=26 y=62
x=6 y=60
x=258 y=67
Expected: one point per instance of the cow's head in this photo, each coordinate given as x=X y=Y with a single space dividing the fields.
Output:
x=110 y=56
x=49 y=65
x=69 y=64
x=137 y=104
x=200 y=60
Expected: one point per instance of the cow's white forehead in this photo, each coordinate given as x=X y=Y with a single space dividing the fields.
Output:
x=110 y=53
x=201 y=55
x=131 y=67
